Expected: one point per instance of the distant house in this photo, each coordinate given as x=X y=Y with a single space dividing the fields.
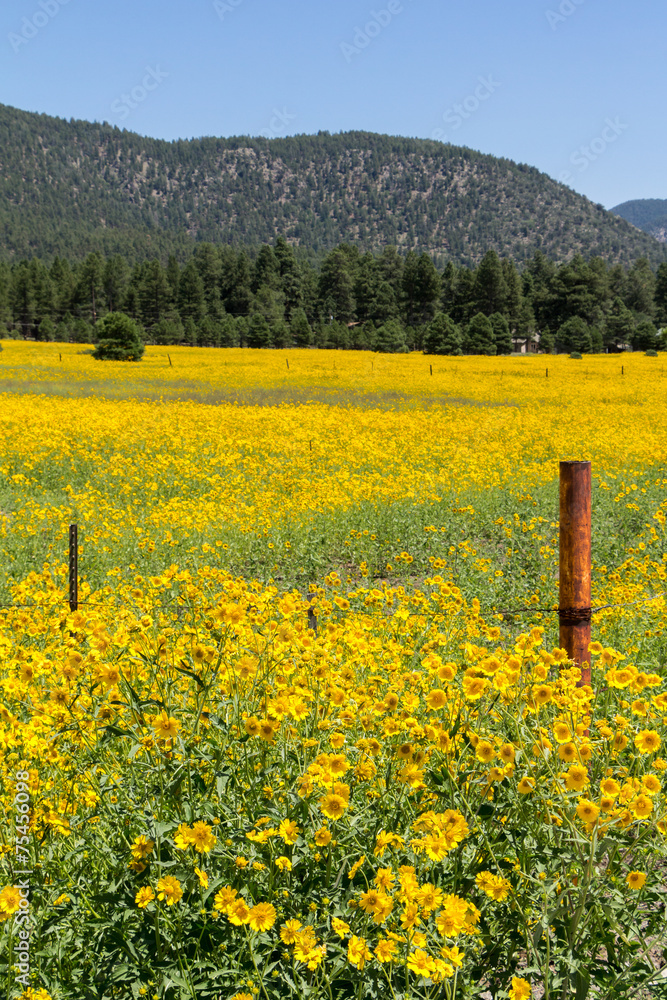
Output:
x=526 y=345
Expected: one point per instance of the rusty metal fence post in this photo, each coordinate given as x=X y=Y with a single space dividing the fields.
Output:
x=73 y=567
x=575 y=564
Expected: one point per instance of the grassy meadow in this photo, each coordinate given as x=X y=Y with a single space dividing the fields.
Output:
x=218 y=795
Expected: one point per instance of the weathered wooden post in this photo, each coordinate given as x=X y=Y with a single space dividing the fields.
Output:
x=575 y=563
x=312 y=614
x=73 y=567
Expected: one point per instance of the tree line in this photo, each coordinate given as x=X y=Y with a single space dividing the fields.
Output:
x=388 y=302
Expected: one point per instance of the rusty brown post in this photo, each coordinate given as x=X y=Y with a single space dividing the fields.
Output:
x=575 y=563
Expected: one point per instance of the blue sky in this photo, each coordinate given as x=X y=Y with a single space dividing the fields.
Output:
x=574 y=87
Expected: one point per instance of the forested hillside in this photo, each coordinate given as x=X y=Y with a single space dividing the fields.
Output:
x=223 y=297
x=648 y=214
x=68 y=188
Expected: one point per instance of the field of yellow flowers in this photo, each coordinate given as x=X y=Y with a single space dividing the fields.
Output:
x=310 y=732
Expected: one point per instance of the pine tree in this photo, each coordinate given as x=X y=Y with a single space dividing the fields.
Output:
x=155 y=300
x=266 y=270
x=89 y=293
x=478 y=337
x=645 y=336
x=639 y=294
x=390 y=338
x=22 y=299
x=575 y=335
x=207 y=262
x=259 y=331
x=661 y=295
x=118 y=339
x=443 y=336
x=290 y=276
x=421 y=289
x=115 y=280
x=336 y=287
x=191 y=301
x=501 y=334
x=302 y=335
x=619 y=326
x=490 y=290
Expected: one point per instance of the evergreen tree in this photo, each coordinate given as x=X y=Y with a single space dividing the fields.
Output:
x=173 y=277
x=645 y=336
x=47 y=329
x=209 y=332
x=290 y=276
x=236 y=291
x=421 y=288
x=391 y=266
x=442 y=336
x=577 y=289
x=575 y=335
x=514 y=302
x=89 y=293
x=366 y=288
x=5 y=283
x=64 y=284
x=490 y=290
x=118 y=339
x=22 y=299
x=266 y=270
x=619 y=326
x=479 y=337
x=191 y=301
x=270 y=303
x=501 y=334
x=43 y=291
x=191 y=332
x=448 y=288
x=168 y=332
x=301 y=333
x=280 y=334
x=154 y=293
x=208 y=265
x=661 y=295
x=639 y=294
x=463 y=308
x=547 y=342
x=336 y=287
x=390 y=338
x=115 y=280
x=259 y=331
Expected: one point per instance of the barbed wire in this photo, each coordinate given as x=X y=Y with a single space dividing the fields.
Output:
x=488 y=609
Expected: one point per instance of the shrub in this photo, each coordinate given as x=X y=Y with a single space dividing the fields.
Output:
x=118 y=339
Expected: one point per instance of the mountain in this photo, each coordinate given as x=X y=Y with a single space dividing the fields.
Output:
x=69 y=187
x=648 y=214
